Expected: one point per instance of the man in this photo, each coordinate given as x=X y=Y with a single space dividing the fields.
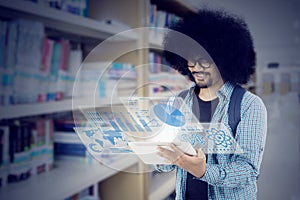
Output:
x=227 y=40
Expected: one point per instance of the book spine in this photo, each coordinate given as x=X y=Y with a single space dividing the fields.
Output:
x=20 y=166
x=49 y=143
x=54 y=71
x=9 y=64
x=3 y=29
x=65 y=51
x=41 y=147
x=30 y=35
x=74 y=62
x=4 y=154
x=71 y=138
x=63 y=68
x=46 y=55
x=10 y=59
x=69 y=149
x=34 y=151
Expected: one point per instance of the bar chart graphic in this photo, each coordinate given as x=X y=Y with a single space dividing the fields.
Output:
x=169 y=115
x=154 y=120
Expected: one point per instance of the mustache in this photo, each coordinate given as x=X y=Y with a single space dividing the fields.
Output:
x=204 y=73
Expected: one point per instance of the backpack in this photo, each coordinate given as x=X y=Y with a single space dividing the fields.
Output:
x=234 y=110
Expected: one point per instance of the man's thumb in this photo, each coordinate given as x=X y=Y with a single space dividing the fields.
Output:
x=200 y=153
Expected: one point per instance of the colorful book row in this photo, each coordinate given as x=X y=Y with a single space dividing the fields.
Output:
x=34 y=67
x=26 y=148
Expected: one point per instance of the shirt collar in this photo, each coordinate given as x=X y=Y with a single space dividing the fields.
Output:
x=226 y=90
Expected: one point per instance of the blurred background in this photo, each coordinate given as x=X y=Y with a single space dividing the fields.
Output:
x=42 y=46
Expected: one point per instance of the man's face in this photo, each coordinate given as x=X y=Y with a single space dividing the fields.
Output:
x=205 y=73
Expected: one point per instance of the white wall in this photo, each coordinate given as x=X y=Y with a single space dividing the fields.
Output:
x=275 y=26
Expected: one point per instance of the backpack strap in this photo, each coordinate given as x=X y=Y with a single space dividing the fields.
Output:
x=234 y=110
x=183 y=93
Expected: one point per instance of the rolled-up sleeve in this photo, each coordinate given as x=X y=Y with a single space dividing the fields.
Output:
x=243 y=169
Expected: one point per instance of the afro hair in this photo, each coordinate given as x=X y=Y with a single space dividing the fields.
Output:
x=224 y=36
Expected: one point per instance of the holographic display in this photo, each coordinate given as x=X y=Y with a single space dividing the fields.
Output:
x=146 y=119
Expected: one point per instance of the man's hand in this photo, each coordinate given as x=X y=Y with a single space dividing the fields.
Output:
x=196 y=165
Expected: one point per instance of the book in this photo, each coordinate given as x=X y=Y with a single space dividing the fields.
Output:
x=54 y=71
x=74 y=62
x=49 y=128
x=46 y=55
x=10 y=54
x=64 y=125
x=47 y=52
x=63 y=69
x=3 y=29
x=4 y=154
x=69 y=149
x=30 y=36
x=27 y=63
x=9 y=64
x=75 y=59
x=41 y=145
x=68 y=146
x=161 y=19
x=19 y=151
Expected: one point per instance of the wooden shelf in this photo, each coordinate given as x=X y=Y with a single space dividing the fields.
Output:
x=24 y=110
x=155 y=39
x=162 y=185
x=60 y=20
x=71 y=177
x=67 y=179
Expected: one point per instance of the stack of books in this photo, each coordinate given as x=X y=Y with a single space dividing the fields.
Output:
x=160 y=18
x=26 y=149
x=34 y=67
x=67 y=144
x=78 y=7
x=107 y=80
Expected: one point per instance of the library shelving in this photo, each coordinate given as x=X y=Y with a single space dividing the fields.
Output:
x=178 y=7
x=68 y=178
x=58 y=20
x=162 y=185
x=24 y=110
x=156 y=40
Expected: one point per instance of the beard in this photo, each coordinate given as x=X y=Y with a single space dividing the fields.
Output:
x=204 y=82
x=202 y=85
x=205 y=85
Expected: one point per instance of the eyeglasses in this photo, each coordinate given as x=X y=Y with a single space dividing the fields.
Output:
x=202 y=62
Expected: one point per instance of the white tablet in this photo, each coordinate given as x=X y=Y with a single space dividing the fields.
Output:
x=147 y=151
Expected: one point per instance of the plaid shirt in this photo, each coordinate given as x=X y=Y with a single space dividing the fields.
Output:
x=232 y=176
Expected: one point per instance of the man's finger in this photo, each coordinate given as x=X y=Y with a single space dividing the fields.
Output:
x=176 y=149
x=163 y=152
x=200 y=153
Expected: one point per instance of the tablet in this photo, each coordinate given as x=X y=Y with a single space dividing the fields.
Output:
x=147 y=151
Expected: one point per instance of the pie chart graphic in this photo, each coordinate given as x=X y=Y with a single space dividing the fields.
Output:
x=169 y=115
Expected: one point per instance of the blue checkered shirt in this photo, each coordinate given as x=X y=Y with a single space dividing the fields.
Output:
x=232 y=176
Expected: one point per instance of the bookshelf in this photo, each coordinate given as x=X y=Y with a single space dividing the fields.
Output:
x=59 y=20
x=156 y=40
x=68 y=178
x=162 y=185
x=24 y=110
x=76 y=176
